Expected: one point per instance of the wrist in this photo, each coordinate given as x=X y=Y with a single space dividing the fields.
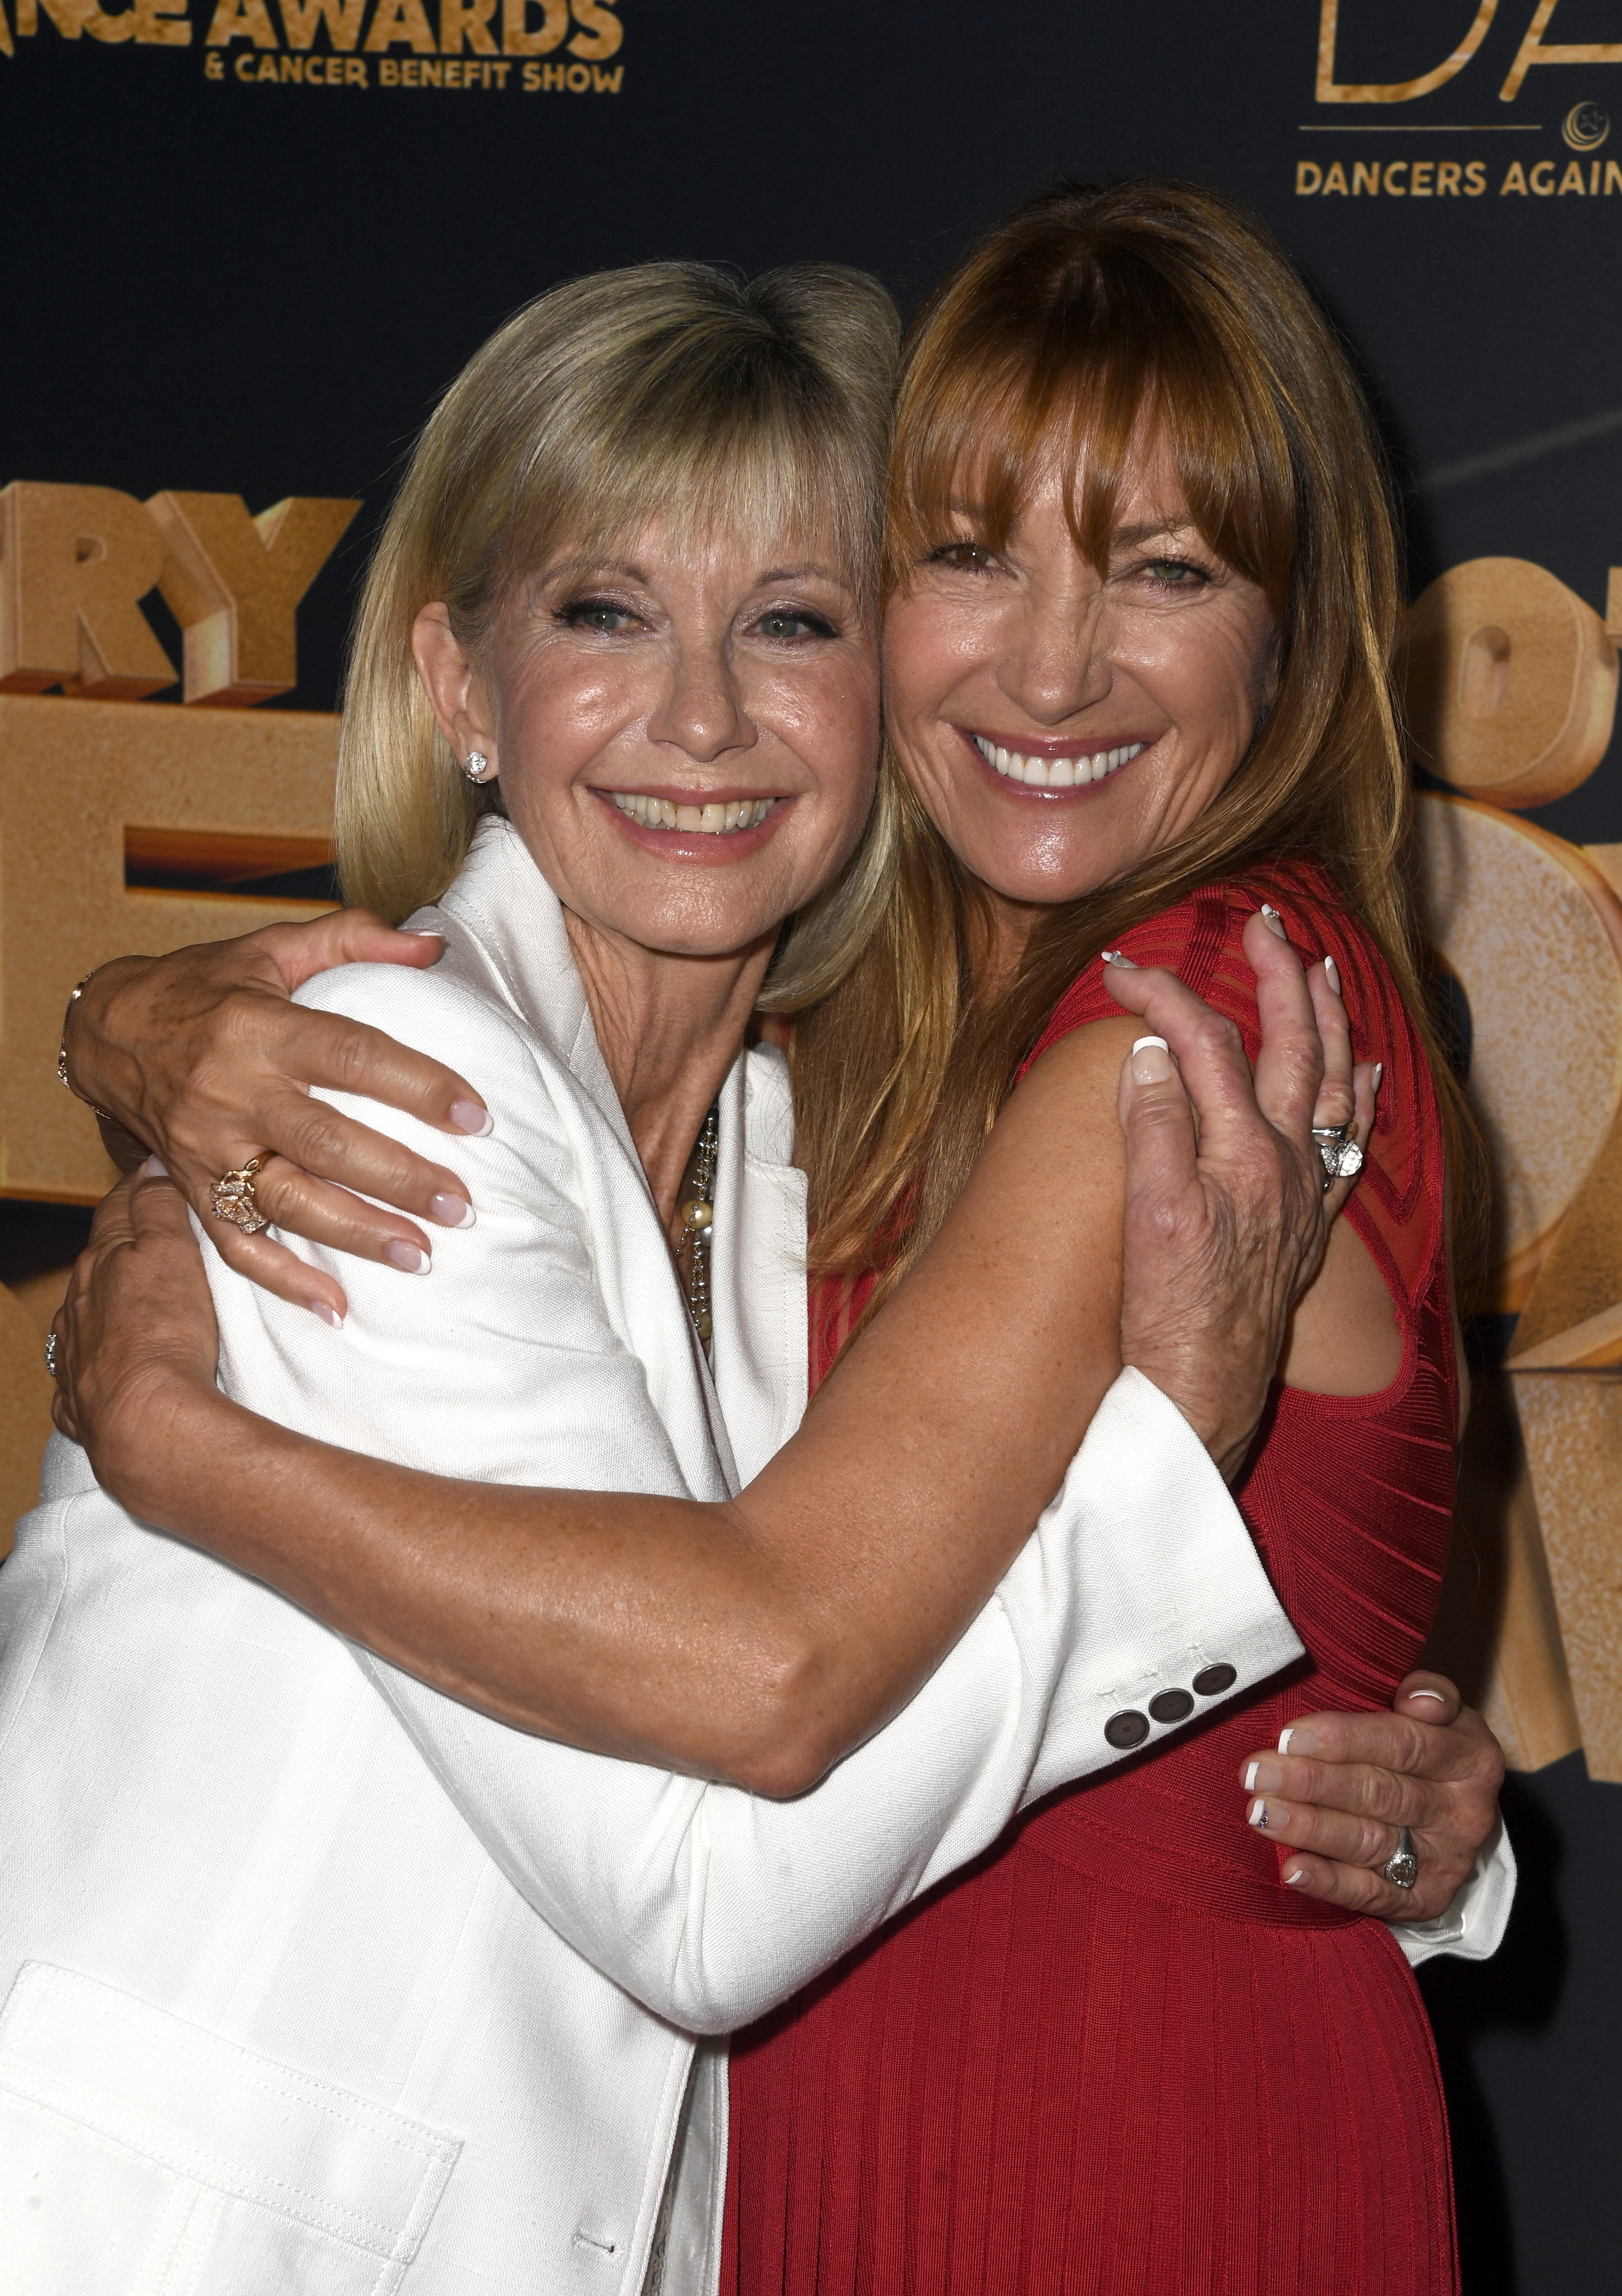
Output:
x=143 y=1434
x=83 y=1064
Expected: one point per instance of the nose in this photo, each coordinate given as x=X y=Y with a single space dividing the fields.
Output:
x=702 y=710
x=1060 y=662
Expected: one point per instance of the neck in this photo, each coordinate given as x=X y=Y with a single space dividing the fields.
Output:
x=669 y=1028
x=999 y=930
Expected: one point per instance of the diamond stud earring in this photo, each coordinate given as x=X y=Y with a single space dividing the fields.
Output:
x=477 y=768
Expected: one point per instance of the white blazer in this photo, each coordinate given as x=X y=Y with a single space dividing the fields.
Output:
x=316 y=1980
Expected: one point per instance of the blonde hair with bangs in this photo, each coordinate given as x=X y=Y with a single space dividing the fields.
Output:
x=1086 y=323
x=674 y=388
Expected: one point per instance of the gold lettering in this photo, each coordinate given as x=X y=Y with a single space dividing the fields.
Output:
x=1309 y=178
x=577 y=80
x=68 y=16
x=1394 y=169
x=301 y=18
x=1544 y=167
x=1400 y=91
x=1532 y=50
x=608 y=83
x=1336 y=180
x=605 y=29
x=517 y=38
x=1510 y=683
x=101 y=26
x=241 y=20
x=1515 y=180
x=73 y=562
x=1572 y=180
x=1447 y=179
x=107 y=768
x=155 y=25
x=1613 y=177
x=398 y=21
x=1364 y=178
x=1418 y=182
x=468 y=18
x=1475 y=179
x=233 y=583
x=354 y=73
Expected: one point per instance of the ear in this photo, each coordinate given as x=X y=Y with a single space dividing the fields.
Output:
x=453 y=684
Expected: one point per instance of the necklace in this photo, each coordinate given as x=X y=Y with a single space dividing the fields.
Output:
x=697 y=1218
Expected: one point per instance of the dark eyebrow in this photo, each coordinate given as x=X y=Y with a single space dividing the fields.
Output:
x=1129 y=536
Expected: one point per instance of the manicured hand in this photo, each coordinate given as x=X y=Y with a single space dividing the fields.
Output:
x=1226 y=1213
x=1342 y=1785
x=201 y=1057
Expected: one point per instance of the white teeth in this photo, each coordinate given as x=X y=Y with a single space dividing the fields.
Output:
x=1056 y=773
x=706 y=820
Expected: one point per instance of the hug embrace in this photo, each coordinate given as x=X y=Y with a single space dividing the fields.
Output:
x=729 y=1593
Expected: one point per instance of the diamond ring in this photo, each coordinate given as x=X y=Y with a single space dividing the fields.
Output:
x=231 y=1198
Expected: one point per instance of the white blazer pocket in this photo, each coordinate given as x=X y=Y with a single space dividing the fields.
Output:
x=143 y=2156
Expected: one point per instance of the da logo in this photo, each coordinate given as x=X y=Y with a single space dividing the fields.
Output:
x=1533 y=50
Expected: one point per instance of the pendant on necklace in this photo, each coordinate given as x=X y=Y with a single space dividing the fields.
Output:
x=697 y=1224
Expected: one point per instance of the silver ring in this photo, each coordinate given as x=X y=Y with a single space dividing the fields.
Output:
x=51 y=1355
x=1402 y=1868
x=1342 y=1157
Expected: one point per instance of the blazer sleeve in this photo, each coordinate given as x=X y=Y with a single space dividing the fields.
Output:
x=1138 y=1602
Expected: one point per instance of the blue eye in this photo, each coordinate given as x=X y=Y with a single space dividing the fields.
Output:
x=600 y=614
x=786 y=623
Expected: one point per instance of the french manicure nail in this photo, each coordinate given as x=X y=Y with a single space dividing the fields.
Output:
x=1275 y=923
x=1264 y=1777
x=154 y=1168
x=1297 y=1741
x=1151 y=1060
x=1379 y=1071
x=328 y=1315
x=1331 y=974
x=407 y=1256
x=1428 y=1693
x=1119 y=957
x=422 y=932
x=451 y=1211
x=1250 y=1777
x=468 y=1116
x=1258 y=1815
x=1296 y=1878
x=1284 y=1738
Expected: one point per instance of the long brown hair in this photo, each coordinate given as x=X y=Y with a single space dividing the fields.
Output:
x=1087 y=321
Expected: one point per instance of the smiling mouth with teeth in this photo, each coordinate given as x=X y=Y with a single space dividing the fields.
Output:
x=1057 y=772
x=700 y=820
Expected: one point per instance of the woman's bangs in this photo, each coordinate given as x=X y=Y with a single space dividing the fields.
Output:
x=1099 y=402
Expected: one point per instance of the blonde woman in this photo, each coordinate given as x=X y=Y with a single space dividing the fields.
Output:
x=319 y=1978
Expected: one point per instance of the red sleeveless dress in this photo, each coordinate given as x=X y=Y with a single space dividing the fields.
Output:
x=1117 y=2055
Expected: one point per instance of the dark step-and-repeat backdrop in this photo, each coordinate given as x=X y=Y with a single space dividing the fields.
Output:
x=247 y=243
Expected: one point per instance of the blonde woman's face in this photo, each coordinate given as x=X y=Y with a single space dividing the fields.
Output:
x=687 y=739
x=1060 y=728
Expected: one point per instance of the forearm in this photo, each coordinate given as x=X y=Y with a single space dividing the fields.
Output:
x=656 y=1629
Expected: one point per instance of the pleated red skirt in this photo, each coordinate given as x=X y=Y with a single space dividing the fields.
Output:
x=1118 y=2057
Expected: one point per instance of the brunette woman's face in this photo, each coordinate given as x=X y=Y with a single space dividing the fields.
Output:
x=1060 y=726
x=685 y=736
